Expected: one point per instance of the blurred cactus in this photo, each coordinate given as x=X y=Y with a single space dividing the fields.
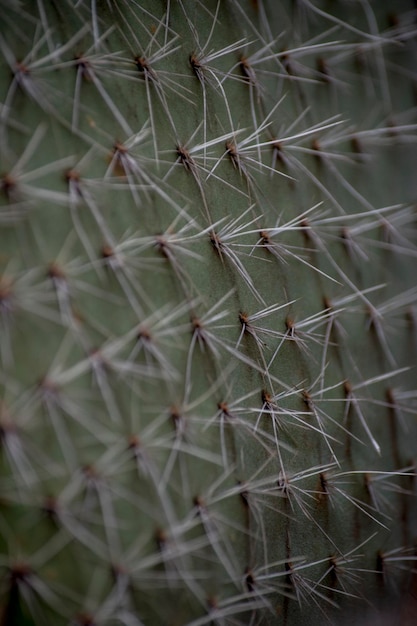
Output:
x=208 y=311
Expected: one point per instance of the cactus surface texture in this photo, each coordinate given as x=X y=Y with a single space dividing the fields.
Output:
x=208 y=312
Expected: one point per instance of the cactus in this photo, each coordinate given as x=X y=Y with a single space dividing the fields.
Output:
x=208 y=311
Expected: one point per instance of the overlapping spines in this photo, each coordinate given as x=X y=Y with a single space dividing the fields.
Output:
x=207 y=311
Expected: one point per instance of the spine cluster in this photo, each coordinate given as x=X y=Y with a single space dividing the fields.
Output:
x=208 y=311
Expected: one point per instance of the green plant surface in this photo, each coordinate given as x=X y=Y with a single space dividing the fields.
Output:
x=208 y=312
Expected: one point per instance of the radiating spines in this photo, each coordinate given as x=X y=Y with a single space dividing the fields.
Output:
x=207 y=398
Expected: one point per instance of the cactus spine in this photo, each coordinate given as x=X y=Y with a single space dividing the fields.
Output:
x=207 y=311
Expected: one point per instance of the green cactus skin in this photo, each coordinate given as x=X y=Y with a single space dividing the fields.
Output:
x=208 y=312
